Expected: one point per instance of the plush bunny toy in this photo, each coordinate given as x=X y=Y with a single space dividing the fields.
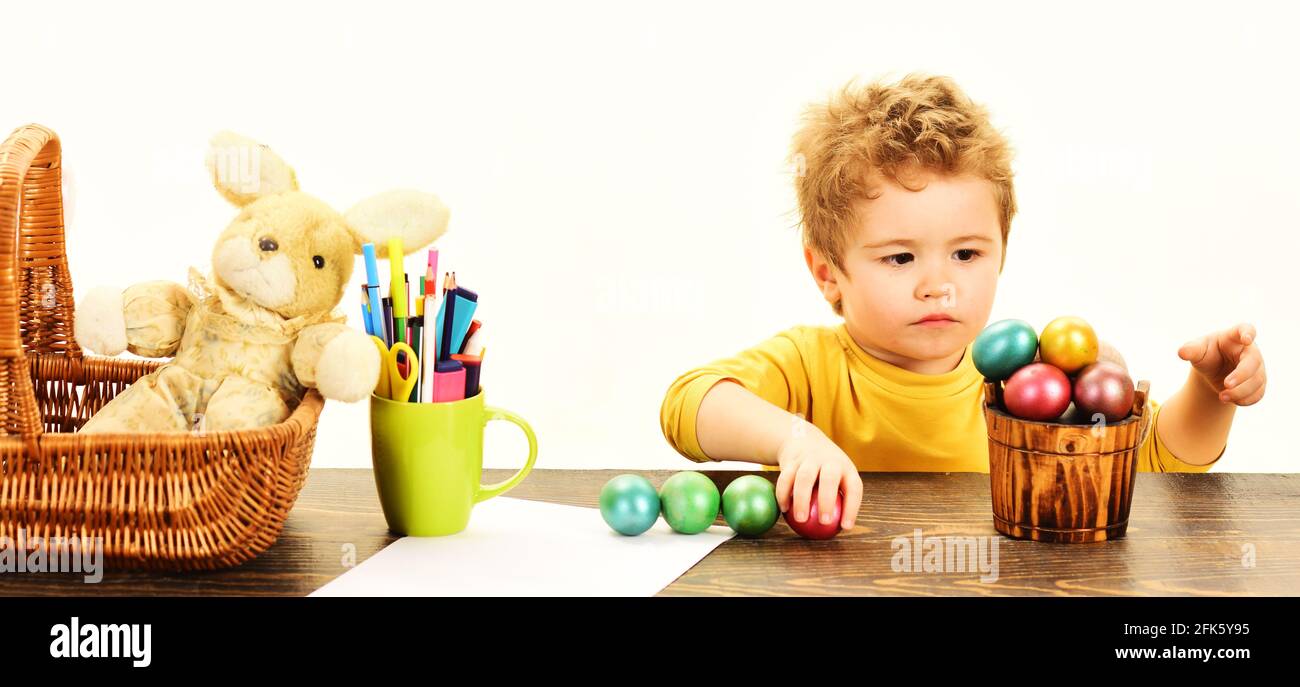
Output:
x=250 y=338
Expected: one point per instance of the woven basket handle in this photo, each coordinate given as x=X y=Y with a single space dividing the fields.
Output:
x=36 y=300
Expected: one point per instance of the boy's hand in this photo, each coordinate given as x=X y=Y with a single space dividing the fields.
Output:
x=809 y=457
x=1230 y=363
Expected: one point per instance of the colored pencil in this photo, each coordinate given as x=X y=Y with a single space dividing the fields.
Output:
x=365 y=309
x=449 y=314
x=416 y=327
x=388 y=322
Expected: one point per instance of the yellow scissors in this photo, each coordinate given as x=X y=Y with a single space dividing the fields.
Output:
x=392 y=383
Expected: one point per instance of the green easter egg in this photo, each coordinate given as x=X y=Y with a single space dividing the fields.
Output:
x=1004 y=347
x=689 y=501
x=629 y=504
x=749 y=505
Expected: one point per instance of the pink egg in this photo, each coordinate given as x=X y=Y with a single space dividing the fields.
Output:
x=1037 y=391
x=813 y=528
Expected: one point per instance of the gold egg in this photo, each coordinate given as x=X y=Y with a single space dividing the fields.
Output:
x=1069 y=343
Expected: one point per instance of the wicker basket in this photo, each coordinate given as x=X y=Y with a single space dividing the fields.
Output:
x=1058 y=482
x=159 y=501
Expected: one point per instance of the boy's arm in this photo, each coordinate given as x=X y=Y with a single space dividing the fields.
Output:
x=738 y=408
x=752 y=408
x=734 y=424
x=1193 y=424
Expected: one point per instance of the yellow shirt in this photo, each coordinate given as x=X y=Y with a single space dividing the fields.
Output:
x=884 y=417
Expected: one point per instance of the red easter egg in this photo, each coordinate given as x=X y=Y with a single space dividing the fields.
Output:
x=1104 y=387
x=812 y=528
x=1037 y=391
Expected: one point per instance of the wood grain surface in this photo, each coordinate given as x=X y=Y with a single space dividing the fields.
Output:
x=1189 y=534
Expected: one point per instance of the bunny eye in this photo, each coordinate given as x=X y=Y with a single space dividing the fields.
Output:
x=318 y=261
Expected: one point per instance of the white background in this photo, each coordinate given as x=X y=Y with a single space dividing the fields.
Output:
x=616 y=172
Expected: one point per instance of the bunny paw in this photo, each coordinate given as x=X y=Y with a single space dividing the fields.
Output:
x=349 y=368
x=100 y=323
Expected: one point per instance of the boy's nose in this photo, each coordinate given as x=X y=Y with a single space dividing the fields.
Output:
x=938 y=289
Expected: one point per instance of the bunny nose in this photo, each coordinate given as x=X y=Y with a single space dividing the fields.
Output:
x=267 y=244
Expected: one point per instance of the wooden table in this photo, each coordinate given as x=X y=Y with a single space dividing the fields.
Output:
x=1189 y=534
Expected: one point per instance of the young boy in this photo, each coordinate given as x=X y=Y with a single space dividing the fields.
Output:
x=906 y=202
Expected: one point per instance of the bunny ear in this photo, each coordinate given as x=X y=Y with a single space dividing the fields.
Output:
x=415 y=217
x=244 y=170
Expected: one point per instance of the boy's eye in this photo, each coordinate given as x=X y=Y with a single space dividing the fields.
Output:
x=897 y=259
x=966 y=254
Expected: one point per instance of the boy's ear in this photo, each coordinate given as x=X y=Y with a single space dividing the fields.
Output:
x=823 y=274
x=415 y=217
x=244 y=170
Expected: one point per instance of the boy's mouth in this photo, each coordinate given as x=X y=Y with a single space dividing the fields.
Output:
x=936 y=319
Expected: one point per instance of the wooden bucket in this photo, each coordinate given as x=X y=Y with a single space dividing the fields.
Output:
x=1062 y=482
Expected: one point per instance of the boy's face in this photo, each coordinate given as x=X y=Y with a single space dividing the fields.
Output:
x=914 y=254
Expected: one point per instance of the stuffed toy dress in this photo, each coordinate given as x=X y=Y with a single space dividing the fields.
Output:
x=247 y=340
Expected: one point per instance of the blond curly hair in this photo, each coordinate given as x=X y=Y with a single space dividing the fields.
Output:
x=860 y=134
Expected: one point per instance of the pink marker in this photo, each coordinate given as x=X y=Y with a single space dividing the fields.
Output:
x=448 y=381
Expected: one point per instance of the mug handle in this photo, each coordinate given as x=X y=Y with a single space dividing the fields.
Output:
x=487 y=491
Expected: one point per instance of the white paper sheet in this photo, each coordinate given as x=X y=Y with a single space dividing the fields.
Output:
x=514 y=547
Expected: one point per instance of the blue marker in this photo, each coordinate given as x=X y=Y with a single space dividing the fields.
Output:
x=372 y=287
x=462 y=315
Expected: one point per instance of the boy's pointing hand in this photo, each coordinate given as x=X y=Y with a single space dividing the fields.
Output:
x=1230 y=362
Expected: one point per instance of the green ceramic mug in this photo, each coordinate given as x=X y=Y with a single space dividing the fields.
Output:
x=428 y=460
